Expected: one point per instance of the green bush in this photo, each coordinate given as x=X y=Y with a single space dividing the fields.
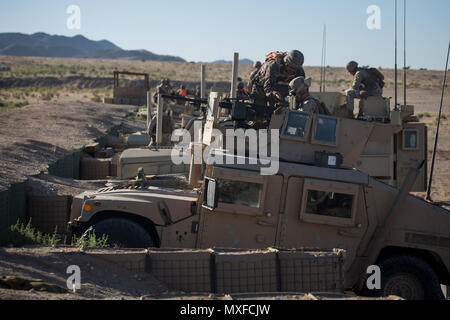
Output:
x=19 y=235
x=91 y=241
x=11 y=104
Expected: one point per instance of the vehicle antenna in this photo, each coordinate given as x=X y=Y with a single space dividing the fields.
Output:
x=324 y=54
x=404 y=52
x=428 y=198
x=321 y=60
x=395 y=72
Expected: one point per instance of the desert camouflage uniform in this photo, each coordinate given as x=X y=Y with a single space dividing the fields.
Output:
x=364 y=85
x=167 y=128
x=273 y=76
x=252 y=80
x=161 y=89
x=311 y=105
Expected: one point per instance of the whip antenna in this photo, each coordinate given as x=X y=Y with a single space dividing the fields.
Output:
x=395 y=72
x=404 y=52
x=428 y=198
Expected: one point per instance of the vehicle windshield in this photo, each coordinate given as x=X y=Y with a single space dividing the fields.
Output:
x=296 y=124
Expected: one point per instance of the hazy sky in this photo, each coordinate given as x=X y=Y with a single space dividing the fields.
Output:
x=200 y=30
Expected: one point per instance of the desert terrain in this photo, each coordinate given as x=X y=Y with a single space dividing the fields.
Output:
x=52 y=106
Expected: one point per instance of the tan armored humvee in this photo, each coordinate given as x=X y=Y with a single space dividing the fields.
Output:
x=316 y=199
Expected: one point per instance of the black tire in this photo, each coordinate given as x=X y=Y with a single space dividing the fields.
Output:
x=121 y=232
x=408 y=277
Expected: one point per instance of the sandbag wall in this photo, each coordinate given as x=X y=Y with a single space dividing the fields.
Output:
x=226 y=271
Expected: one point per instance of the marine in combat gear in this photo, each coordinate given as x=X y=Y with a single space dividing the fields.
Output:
x=270 y=85
x=304 y=101
x=366 y=82
x=256 y=67
x=163 y=88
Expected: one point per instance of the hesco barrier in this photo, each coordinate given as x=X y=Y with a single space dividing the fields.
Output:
x=246 y=271
x=67 y=167
x=311 y=271
x=12 y=205
x=48 y=212
x=243 y=271
x=95 y=169
x=184 y=270
x=13 y=201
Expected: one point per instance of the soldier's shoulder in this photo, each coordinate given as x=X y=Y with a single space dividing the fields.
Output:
x=362 y=72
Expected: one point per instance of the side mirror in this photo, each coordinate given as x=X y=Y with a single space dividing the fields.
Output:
x=210 y=194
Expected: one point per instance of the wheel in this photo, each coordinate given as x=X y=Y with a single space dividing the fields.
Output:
x=122 y=233
x=410 y=278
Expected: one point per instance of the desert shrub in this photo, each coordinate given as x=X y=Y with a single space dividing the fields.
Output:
x=90 y=241
x=21 y=235
x=96 y=99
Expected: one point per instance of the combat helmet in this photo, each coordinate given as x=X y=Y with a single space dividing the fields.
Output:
x=257 y=64
x=299 y=85
x=294 y=59
x=352 y=66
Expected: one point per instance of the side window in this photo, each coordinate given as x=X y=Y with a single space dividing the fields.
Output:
x=410 y=140
x=239 y=192
x=329 y=202
x=297 y=124
x=325 y=130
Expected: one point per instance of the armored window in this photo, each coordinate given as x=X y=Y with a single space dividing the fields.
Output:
x=329 y=204
x=325 y=129
x=239 y=192
x=410 y=140
x=296 y=124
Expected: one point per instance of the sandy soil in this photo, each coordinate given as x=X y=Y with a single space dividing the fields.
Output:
x=99 y=279
x=36 y=135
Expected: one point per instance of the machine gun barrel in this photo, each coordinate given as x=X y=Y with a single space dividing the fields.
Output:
x=169 y=96
x=258 y=108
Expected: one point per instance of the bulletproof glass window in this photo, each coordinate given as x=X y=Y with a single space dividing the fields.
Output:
x=296 y=124
x=326 y=129
x=239 y=192
x=329 y=204
x=409 y=139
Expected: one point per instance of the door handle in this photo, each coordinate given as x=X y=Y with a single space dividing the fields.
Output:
x=264 y=223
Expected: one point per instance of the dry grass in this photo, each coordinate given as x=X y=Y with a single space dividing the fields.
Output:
x=423 y=85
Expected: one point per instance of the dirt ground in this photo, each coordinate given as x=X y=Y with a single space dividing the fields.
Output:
x=100 y=279
x=33 y=136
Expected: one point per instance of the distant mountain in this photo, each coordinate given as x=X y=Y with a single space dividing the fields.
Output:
x=44 y=45
x=130 y=55
x=241 y=61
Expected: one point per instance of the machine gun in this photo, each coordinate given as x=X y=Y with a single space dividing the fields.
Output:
x=199 y=104
x=245 y=114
